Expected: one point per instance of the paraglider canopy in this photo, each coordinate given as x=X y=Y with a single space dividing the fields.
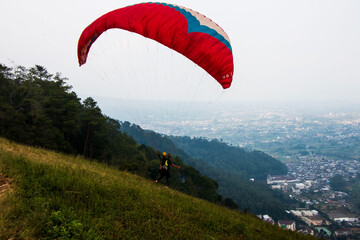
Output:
x=181 y=29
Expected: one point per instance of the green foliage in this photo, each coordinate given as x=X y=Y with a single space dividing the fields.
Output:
x=56 y=196
x=350 y=186
x=37 y=108
x=228 y=202
x=60 y=226
x=353 y=187
x=338 y=183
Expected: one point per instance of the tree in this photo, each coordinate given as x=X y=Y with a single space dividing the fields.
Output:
x=92 y=122
x=338 y=183
x=228 y=202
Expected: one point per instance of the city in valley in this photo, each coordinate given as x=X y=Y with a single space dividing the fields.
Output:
x=320 y=145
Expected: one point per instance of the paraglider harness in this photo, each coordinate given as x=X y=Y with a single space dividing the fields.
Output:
x=165 y=163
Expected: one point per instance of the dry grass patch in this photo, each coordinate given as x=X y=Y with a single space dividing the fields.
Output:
x=4 y=184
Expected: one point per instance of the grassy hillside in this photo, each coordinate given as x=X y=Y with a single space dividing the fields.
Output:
x=56 y=196
x=231 y=167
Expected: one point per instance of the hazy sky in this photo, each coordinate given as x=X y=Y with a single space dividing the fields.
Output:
x=283 y=50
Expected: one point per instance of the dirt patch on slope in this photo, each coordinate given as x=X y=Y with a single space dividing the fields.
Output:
x=4 y=184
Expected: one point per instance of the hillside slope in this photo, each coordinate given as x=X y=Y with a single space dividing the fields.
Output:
x=230 y=166
x=59 y=196
x=38 y=108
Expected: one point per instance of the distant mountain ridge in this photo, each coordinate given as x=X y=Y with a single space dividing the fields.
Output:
x=250 y=164
x=230 y=166
x=215 y=153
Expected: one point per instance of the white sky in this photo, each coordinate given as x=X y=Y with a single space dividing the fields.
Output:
x=283 y=50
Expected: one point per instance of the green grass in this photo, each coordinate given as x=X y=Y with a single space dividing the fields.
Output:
x=56 y=196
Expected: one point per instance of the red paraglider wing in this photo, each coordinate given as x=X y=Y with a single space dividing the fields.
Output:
x=181 y=29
